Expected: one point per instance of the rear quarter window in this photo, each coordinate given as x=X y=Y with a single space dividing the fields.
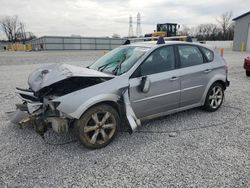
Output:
x=190 y=55
x=208 y=54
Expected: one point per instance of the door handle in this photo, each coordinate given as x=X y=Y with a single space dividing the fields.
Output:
x=174 y=78
x=207 y=70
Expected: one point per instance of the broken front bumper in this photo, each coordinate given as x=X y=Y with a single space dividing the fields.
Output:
x=30 y=102
x=23 y=111
x=23 y=117
x=19 y=117
x=41 y=115
x=26 y=95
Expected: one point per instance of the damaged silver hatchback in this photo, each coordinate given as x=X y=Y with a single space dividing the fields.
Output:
x=129 y=84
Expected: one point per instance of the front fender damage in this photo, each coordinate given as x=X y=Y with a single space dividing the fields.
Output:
x=44 y=115
x=133 y=121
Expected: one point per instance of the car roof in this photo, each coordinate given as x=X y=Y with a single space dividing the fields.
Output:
x=152 y=44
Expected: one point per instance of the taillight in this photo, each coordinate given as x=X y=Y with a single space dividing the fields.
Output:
x=247 y=61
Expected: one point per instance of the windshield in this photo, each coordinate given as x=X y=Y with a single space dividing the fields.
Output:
x=119 y=60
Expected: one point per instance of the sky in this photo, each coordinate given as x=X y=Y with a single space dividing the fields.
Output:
x=105 y=17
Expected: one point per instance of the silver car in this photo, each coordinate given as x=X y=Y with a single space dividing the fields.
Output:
x=126 y=86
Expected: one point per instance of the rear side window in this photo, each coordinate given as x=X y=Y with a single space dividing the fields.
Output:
x=208 y=54
x=190 y=55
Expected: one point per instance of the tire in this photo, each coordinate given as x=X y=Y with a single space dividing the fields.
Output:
x=214 y=98
x=98 y=126
x=247 y=73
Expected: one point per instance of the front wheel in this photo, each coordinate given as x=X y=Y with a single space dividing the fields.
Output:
x=98 y=126
x=215 y=97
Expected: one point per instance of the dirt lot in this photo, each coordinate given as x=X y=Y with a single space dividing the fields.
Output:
x=208 y=150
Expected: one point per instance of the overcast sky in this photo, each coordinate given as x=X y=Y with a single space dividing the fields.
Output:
x=106 y=17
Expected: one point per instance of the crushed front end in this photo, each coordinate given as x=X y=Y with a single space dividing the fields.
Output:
x=46 y=84
x=39 y=112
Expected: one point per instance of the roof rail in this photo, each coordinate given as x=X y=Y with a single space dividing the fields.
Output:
x=160 y=40
x=152 y=38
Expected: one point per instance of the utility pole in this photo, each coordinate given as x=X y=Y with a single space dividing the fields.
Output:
x=138 y=26
x=130 y=31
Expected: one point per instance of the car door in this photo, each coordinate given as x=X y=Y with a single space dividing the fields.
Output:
x=195 y=73
x=164 y=92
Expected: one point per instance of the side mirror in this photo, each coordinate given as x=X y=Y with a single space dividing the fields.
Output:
x=145 y=84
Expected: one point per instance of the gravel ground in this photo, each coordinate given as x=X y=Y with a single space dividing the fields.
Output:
x=188 y=149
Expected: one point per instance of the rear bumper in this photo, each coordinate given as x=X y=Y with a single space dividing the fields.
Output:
x=247 y=67
x=247 y=64
x=227 y=83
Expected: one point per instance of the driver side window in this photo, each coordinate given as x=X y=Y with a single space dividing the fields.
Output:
x=161 y=60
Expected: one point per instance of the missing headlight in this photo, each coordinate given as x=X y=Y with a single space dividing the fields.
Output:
x=33 y=107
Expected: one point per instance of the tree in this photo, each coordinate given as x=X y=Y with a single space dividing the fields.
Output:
x=225 y=22
x=207 y=31
x=2 y=36
x=224 y=30
x=184 y=30
x=13 y=28
x=30 y=36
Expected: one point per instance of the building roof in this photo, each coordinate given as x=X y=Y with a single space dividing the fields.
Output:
x=241 y=16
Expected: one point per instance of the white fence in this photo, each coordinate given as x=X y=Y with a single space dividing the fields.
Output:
x=95 y=43
x=220 y=44
x=75 y=43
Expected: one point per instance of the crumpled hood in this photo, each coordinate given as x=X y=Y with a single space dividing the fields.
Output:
x=47 y=75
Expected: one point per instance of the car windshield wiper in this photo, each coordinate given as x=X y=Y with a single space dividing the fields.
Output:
x=101 y=68
x=118 y=67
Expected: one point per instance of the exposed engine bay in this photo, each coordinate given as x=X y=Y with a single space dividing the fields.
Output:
x=39 y=109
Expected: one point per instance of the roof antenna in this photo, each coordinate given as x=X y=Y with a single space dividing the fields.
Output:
x=160 y=40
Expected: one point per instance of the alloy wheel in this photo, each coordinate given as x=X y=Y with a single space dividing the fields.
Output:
x=100 y=127
x=216 y=97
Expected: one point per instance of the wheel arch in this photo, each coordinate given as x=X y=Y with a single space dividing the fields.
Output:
x=113 y=104
x=109 y=99
x=218 y=79
x=222 y=83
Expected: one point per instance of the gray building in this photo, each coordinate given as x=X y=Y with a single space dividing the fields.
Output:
x=75 y=43
x=242 y=32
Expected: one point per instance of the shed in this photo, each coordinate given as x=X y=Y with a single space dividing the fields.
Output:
x=242 y=32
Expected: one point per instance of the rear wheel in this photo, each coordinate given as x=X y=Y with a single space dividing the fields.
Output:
x=98 y=126
x=215 y=97
x=248 y=73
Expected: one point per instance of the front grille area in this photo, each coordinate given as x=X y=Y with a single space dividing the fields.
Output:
x=29 y=98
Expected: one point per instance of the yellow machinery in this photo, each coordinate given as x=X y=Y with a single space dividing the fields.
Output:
x=159 y=34
x=168 y=30
x=19 y=47
x=164 y=30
